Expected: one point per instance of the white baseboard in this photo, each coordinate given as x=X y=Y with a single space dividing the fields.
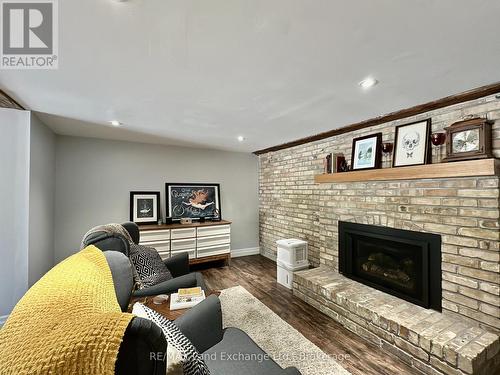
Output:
x=3 y=319
x=270 y=257
x=244 y=252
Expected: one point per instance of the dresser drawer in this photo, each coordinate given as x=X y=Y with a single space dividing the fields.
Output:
x=213 y=250
x=158 y=245
x=214 y=230
x=184 y=244
x=191 y=253
x=214 y=240
x=183 y=233
x=154 y=235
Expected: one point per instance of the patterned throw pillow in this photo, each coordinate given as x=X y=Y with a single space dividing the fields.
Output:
x=149 y=266
x=192 y=362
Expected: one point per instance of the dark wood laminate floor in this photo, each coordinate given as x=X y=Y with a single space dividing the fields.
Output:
x=257 y=274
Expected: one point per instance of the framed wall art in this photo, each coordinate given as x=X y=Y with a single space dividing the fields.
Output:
x=145 y=207
x=366 y=152
x=412 y=144
x=195 y=201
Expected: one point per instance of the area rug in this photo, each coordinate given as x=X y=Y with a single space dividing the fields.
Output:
x=286 y=345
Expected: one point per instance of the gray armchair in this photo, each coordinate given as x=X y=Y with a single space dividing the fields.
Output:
x=177 y=265
x=142 y=336
x=202 y=325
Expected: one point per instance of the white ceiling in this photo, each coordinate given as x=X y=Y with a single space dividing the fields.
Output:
x=202 y=72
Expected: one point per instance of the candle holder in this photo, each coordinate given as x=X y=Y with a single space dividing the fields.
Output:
x=387 y=148
x=438 y=139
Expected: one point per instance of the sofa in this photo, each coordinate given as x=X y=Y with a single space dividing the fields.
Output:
x=202 y=325
x=177 y=265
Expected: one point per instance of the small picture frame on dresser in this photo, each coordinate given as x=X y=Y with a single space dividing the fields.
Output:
x=145 y=207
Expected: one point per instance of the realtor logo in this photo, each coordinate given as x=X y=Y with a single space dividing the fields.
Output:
x=29 y=34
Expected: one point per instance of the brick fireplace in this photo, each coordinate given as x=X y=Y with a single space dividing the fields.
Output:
x=462 y=211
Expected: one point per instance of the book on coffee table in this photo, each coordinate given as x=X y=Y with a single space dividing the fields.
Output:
x=178 y=302
x=190 y=292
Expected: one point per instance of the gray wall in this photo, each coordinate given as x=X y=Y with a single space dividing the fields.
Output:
x=94 y=179
x=41 y=203
x=14 y=200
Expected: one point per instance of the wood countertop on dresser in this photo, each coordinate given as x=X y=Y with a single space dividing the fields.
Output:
x=178 y=225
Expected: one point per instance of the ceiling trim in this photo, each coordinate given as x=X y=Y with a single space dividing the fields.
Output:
x=7 y=102
x=397 y=115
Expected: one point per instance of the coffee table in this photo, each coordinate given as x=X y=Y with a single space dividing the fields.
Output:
x=164 y=308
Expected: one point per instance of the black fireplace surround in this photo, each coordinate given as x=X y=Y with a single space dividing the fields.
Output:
x=403 y=263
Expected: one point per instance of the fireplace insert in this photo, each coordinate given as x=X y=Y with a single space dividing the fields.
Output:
x=403 y=263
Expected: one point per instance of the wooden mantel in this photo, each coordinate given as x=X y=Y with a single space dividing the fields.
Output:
x=470 y=168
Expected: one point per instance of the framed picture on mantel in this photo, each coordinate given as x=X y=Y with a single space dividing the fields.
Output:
x=367 y=152
x=412 y=144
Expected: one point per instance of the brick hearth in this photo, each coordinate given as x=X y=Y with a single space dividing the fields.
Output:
x=431 y=342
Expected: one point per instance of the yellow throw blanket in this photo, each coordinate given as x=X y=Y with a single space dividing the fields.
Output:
x=69 y=322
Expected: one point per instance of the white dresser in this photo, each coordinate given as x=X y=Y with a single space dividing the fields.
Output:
x=204 y=242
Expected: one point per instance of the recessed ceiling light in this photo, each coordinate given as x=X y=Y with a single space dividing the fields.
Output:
x=241 y=138
x=368 y=82
x=115 y=123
